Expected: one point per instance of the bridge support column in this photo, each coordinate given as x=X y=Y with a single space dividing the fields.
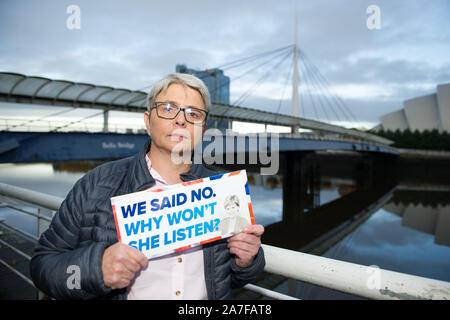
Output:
x=295 y=185
x=105 y=120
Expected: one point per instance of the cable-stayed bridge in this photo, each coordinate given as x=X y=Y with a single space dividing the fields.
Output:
x=311 y=96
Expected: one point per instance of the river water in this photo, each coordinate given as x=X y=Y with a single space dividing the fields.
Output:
x=407 y=230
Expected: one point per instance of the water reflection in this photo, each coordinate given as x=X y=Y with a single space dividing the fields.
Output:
x=39 y=177
x=305 y=231
x=397 y=225
x=390 y=232
x=424 y=218
x=395 y=222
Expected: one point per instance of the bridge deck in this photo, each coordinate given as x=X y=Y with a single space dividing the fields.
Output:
x=56 y=146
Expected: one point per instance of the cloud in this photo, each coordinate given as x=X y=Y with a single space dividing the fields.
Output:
x=131 y=44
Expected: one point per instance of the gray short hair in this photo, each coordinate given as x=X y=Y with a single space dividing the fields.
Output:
x=232 y=199
x=183 y=79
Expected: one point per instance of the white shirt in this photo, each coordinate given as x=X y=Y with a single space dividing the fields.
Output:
x=179 y=275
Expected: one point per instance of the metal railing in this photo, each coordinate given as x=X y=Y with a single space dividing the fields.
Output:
x=364 y=281
x=12 y=125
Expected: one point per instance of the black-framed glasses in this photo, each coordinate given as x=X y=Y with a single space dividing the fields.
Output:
x=169 y=110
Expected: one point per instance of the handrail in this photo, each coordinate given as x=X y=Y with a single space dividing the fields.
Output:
x=33 y=197
x=365 y=281
x=352 y=278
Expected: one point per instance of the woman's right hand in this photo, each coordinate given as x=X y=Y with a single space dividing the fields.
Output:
x=120 y=263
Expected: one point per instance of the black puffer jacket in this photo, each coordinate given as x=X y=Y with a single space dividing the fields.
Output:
x=84 y=227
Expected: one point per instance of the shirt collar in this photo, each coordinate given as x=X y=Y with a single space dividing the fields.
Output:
x=153 y=172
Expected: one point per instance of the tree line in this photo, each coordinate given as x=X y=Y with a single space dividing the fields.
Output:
x=427 y=139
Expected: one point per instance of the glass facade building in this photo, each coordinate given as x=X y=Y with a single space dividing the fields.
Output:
x=219 y=88
x=218 y=84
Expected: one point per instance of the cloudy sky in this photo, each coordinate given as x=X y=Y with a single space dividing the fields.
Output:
x=130 y=44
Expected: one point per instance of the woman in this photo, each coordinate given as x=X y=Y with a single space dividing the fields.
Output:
x=83 y=233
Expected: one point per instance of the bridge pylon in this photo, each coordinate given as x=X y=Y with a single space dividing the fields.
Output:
x=295 y=77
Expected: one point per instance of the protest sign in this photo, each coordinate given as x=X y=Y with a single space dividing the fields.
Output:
x=160 y=221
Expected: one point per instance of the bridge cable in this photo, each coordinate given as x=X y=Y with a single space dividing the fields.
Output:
x=311 y=85
x=336 y=97
x=253 y=68
x=288 y=76
x=322 y=95
x=325 y=94
x=34 y=136
x=246 y=94
x=236 y=63
x=339 y=102
x=307 y=88
x=265 y=76
x=40 y=119
x=73 y=122
x=249 y=71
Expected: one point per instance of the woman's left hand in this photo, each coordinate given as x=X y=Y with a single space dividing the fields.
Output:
x=245 y=245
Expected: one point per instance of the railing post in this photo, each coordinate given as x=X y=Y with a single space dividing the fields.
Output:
x=292 y=287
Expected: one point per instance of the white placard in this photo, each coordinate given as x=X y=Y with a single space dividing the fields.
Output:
x=160 y=221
